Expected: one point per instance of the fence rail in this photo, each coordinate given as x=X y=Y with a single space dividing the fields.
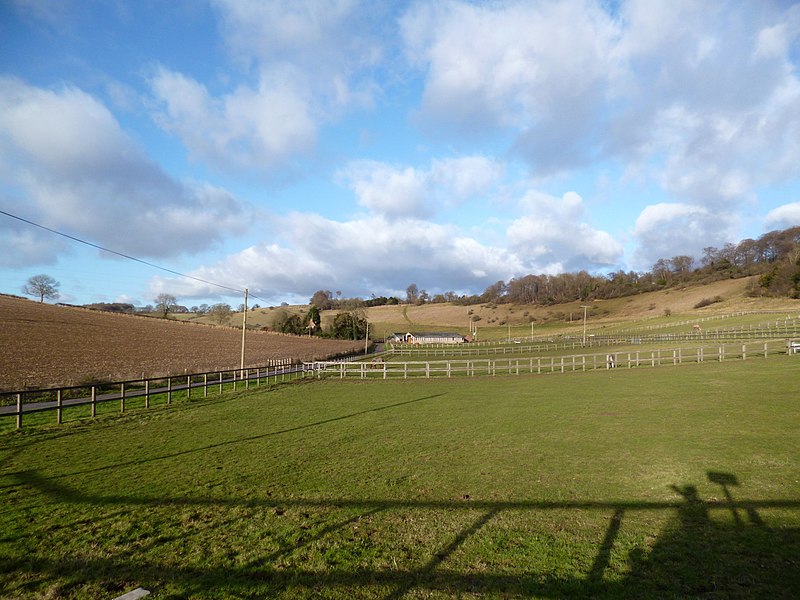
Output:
x=544 y=365
x=25 y=402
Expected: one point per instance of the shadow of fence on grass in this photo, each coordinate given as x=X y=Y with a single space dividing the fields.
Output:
x=734 y=555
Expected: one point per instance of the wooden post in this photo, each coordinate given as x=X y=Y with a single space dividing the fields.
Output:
x=234 y=381
x=19 y=411
x=58 y=406
x=169 y=390
x=121 y=397
x=94 y=401
x=147 y=393
x=220 y=382
x=744 y=351
x=188 y=387
x=205 y=385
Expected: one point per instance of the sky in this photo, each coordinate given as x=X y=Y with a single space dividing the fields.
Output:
x=360 y=147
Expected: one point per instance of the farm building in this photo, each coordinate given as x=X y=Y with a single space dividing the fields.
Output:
x=427 y=338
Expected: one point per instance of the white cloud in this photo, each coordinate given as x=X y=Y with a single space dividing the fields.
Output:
x=307 y=62
x=402 y=192
x=700 y=97
x=69 y=160
x=783 y=217
x=263 y=129
x=553 y=237
x=536 y=69
x=373 y=255
x=673 y=229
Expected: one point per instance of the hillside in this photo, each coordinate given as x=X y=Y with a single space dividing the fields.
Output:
x=44 y=345
x=732 y=294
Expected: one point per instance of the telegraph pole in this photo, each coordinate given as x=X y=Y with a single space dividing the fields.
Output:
x=584 y=324
x=244 y=327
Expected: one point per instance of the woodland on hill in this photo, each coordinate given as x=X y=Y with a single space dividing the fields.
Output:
x=774 y=258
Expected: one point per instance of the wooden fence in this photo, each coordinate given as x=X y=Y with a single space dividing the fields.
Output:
x=16 y=404
x=543 y=365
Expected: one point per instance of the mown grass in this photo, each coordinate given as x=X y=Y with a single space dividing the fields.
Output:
x=671 y=482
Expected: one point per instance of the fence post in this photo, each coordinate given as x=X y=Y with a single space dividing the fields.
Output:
x=765 y=350
x=94 y=401
x=427 y=370
x=169 y=390
x=205 y=385
x=147 y=393
x=58 y=405
x=220 y=382
x=188 y=387
x=234 y=381
x=122 y=397
x=744 y=351
x=19 y=411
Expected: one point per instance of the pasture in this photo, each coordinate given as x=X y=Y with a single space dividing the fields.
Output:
x=628 y=483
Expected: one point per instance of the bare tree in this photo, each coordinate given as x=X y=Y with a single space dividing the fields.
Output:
x=43 y=286
x=220 y=313
x=165 y=304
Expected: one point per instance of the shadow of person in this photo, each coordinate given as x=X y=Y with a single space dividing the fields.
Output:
x=702 y=552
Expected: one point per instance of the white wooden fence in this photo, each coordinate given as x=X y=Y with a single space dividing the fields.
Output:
x=472 y=367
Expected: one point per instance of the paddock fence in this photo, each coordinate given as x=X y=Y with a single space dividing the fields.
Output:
x=544 y=365
x=144 y=392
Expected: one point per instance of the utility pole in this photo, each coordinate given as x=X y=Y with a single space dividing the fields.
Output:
x=584 y=324
x=366 y=339
x=244 y=327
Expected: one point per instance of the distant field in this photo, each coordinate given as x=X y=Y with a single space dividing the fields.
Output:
x=624 y=484
x=46 y=345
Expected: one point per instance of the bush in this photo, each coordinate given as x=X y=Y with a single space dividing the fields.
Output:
x=708 y=301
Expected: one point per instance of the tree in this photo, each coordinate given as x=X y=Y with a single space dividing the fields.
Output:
x=165 y=304
x=220 y=313
x=412 y=293
x=322 y=299
x=43 y=286
x=349 y=326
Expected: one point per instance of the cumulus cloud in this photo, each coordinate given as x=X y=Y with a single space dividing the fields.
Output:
x=262 y=128
x=553 y=237
x=319 y=253
x=701 y=99
x=402 y=192
x=307 y=63
x=538 y=70
x=783 y=217
x=673 y=229
x=75 y=169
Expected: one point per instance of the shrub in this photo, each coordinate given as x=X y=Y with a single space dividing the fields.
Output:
x=708 y=301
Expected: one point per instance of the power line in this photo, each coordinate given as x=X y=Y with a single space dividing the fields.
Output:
x=139 y=260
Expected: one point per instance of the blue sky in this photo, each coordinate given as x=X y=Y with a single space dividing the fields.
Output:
x=291 y=146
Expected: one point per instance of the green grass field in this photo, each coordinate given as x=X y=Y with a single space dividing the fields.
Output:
x=671 y=482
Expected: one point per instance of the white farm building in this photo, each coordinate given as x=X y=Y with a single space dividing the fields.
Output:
x=427 y=338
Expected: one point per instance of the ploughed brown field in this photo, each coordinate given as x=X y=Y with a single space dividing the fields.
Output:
x=43 y=345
